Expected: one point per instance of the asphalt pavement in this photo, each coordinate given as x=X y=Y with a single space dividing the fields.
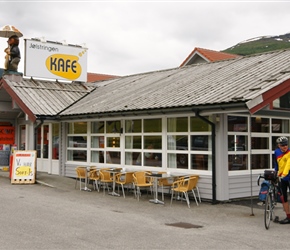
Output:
x=52 y=214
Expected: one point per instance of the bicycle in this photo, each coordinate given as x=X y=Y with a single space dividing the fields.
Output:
x=272 y=196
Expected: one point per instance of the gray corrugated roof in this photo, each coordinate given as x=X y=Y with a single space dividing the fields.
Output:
x=47 y=98
x=230 y=81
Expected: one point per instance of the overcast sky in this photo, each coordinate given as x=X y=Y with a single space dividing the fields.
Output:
x=130 y=37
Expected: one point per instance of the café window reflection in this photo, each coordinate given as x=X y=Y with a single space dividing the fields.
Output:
x=177 y=124
x=198 y=125
x=238 y=162
x=113 y=127
x=133 y=126
x=200 y=161
x=259 y=124
x=152 y=125
x=98 y=127
x=280 y=126
x=260 y=143
x=260 y=161
x=237 y=142
x=77 y=128
x=237 y=123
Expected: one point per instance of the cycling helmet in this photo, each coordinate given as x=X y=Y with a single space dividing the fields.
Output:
x=282 y=140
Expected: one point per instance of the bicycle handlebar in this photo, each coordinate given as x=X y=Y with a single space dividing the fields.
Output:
x=263 y=177
x=258 y=179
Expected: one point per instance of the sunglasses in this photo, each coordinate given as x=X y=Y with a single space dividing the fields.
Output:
x=283 y=145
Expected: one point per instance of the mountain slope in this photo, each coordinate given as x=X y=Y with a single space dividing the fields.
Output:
x=260 y=44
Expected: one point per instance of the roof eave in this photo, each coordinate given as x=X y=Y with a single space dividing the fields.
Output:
x=233 y=106
x=266 y=98
x=16 y=98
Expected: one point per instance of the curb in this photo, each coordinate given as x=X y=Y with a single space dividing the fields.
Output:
x=44 y=183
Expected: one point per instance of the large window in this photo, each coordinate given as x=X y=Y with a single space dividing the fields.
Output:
x=201 y=143
x=77 y=142
x=251 y=141
x=105 y=142
x=188 y=143
x=238 y=142
x=97 y=142
x=94 y=142
x=143 y=142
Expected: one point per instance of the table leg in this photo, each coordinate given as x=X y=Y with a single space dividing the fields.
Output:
x=155 y=200
x=86 y=184
x=114 y=185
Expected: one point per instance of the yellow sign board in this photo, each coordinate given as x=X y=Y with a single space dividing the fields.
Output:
x=24 y=166
x=55 y=60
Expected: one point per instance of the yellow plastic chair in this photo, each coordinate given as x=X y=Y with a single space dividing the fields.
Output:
x=195 y=188
x=184 y=186
x=94 y=177
x=81 y=175
x=124 y=179
x=105 y=178
x=142 y=180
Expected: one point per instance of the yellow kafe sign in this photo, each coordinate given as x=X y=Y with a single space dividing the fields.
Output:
x=24 y=166
x=55 y=60
x=65 y=66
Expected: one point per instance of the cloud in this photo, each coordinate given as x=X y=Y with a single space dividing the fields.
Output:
x=125 y=37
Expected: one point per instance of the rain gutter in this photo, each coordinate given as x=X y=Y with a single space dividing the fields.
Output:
x=35 y=133
x=213 y=154
x=35 y=139
x=170 y=110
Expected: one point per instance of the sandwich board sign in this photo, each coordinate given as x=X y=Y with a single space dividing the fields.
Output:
x=24 y=167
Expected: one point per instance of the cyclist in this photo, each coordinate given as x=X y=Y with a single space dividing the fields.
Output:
x=282 y=166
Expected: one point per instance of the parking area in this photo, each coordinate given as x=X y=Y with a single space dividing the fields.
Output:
x=52 y=214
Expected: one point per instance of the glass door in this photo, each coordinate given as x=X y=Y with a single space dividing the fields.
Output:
x=48 y=148
x=42 y=142
x=42 y=148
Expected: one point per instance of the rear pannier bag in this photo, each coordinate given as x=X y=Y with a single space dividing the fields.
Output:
x=264 y=190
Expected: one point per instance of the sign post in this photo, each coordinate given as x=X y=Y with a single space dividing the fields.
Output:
x=24 y=167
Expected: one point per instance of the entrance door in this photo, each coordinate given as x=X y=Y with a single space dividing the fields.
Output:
x=42 y=148
x=48 y=148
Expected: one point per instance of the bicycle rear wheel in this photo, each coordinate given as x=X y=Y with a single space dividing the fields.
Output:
x=268 y=213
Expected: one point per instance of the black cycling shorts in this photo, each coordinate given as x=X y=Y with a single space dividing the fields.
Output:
x=284 y=187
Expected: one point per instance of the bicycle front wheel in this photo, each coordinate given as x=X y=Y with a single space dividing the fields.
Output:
x=268 y=214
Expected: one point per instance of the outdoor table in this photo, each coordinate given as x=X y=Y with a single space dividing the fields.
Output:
x=155 y=187
x=156 y=177
x=113 y=171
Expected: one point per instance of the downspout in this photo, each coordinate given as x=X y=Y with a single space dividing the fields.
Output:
x=213 y=155
x=35 y=139
x=35 y=133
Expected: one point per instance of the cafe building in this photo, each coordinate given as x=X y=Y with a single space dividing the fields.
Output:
x=219 y=120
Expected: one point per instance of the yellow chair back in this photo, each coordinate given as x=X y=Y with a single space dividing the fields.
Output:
x=81 y=172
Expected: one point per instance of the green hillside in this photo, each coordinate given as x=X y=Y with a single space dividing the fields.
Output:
x=259 y=45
